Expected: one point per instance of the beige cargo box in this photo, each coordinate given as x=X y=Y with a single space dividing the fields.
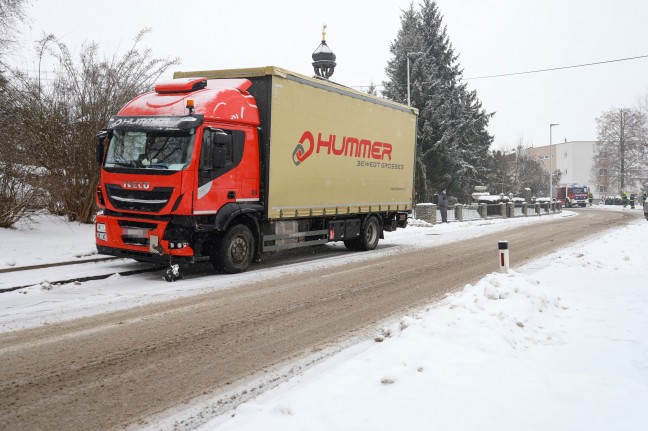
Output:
x=326 y=148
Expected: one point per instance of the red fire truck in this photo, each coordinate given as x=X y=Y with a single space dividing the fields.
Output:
x=572 y=195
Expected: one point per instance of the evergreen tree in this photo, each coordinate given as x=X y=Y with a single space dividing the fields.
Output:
x=453 y=141
x=407 y=41
x=372 y=90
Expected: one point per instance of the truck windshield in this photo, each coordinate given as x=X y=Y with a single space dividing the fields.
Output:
x=579 y=190
x=150 y=150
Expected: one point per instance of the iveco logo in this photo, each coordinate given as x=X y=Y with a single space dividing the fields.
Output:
x=136 y=185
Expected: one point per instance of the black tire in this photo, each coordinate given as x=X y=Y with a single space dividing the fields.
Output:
x=233 y=251
x=351 y=244
x=370 y=235
x=170 y=277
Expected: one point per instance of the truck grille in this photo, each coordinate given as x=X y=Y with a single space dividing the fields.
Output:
x=138 y=200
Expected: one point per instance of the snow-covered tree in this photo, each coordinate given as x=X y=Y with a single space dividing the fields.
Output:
x=407 y=42
x=453 y=142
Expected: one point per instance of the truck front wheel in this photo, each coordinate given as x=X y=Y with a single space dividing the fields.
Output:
x=233 y=251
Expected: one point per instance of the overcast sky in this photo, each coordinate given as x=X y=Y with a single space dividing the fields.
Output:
x=492 y=37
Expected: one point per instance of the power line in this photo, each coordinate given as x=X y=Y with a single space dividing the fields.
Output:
x=558 y=68
x=535 y=71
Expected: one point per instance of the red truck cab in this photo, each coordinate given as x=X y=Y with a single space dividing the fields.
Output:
x=153 y=189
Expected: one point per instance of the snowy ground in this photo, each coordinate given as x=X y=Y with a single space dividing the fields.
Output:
x=559 y=344
x=46 y=239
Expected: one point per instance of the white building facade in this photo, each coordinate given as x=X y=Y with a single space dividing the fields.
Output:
x=574 y=159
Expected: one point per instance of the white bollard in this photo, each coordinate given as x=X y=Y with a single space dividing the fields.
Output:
x=503 y=256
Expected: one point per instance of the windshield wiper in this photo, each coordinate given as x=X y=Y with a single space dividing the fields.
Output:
x=123 y=164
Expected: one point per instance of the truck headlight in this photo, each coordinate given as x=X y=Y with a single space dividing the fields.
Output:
x=101 y=231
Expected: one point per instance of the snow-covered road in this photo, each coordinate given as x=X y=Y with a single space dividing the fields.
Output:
x=50 y=240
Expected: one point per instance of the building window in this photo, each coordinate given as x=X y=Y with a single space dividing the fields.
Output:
x=602 y=189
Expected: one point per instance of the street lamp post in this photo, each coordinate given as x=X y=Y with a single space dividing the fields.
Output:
x=550 y=166
x=410 y=56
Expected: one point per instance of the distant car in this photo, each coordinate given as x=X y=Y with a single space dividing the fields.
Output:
x=646 y=209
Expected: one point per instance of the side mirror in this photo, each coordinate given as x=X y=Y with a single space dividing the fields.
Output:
x=101 y=137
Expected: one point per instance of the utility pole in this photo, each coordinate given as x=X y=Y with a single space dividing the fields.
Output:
x=622 y=149
x=550 y=166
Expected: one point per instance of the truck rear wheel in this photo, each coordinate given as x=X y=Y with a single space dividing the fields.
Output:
x=351 y=244
x=369 y=236
x=233 y=252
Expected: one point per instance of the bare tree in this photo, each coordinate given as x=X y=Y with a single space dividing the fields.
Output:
x=17 y=193
x=11 y=13
x=642 y=105
x=59 y=121
x=515 y=170
x=620 y=160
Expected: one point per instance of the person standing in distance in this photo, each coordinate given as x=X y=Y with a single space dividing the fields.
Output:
x=443 y=205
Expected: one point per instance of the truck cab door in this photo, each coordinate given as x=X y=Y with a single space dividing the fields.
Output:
x=218 y=178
